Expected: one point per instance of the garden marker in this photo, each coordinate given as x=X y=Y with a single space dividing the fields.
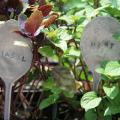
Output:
x=98 y=44
x=15 y=59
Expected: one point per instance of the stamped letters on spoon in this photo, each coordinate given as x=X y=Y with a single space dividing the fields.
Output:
x=13 y=56
x=105 y=43
x=98 y=43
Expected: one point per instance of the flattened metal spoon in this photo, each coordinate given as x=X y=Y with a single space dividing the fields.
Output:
x=98 y=44
x=15 y=59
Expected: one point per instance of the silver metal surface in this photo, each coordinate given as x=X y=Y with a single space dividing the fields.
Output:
x=98 y=44
x=15 y=59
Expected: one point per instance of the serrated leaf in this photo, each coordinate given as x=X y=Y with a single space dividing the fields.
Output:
x=90 y=100
x=65 y=36
x=67 y=18
x=48 y=84
x=46 y=51
x=48 y=101
x=56 y=90
x=62 y=45
x=73 y=52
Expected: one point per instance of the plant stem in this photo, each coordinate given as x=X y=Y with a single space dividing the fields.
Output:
x=96 y=3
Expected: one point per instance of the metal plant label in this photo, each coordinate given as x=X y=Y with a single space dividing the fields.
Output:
x=15 y=59
x=98 y=44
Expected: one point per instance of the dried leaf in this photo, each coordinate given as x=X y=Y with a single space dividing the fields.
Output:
x=46 y=9
x=33 y=22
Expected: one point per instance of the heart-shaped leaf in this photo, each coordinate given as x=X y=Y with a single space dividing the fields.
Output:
x=112 y=91
x=112 y=68
x=90 y=100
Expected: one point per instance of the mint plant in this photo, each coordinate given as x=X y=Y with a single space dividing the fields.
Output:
x=110 y=92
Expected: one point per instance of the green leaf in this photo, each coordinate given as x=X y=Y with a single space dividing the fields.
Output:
x=117 y=36
x=113 y=11
x=105 y=2
x=91 y=115
x=109 y=70
x=67 y=18
x=90 y=100
x=112 y=110
x=112 y=68
x=70 y=4
x=65 y=36
x=112 y=91
x=68 y=94
x=46 y=51
x=48 y=84
x=100 y=70
x=48 y=101
x=107 y=117
x=56 y=90
x=114 y=3
x=51 y=34
x=62 y=45
x=72 y=52
x=113 y=106
x=33 y=74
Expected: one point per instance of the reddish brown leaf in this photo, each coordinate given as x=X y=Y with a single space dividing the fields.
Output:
x=31 y=2
x=33 y=22
x=49 y=21
x=46 y=9
x=42 y=2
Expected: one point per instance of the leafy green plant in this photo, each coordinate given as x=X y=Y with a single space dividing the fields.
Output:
x=55 y=30
x=110 y=86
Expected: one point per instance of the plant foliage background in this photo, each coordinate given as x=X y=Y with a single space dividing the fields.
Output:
x=58 y=76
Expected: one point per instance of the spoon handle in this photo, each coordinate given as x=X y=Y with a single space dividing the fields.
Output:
x=8 y=89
